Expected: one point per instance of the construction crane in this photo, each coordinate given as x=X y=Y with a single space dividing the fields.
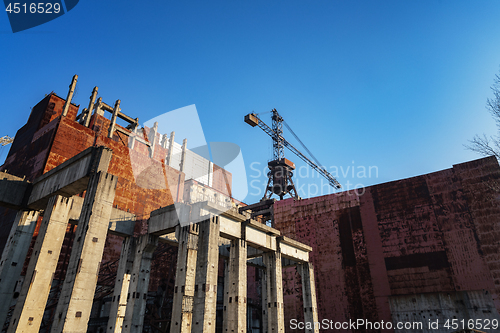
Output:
x=5 y=140
x=280 y=175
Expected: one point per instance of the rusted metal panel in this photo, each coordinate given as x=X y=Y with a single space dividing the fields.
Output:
x=429 y=234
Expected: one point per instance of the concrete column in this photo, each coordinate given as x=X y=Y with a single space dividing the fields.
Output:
x=119 y=300
x=30 y=306
x=75 y=302
x=276 y=318
x=88 y=114
x=152 y=139
x=306 y=272
x=132 y=138
x=183 y=155
x=237 y=292
x=265 y=311
x=139 y=283
x=70 y=95
x=225 y=299
x=13 y=257
x=111 y=128
x=164 y=141
x=182 y=307
x=207 y=267
x=98 y=108
x=170 y=148
x=210 y=174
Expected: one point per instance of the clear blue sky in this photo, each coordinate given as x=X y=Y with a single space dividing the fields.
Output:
x=400 y=85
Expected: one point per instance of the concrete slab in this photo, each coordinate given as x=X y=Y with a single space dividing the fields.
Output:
x=70 y=177
x=13 y=191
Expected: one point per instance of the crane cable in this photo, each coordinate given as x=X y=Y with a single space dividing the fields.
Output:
x=302 y=144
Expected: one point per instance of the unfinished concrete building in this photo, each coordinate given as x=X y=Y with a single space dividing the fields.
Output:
x=414 y=250
x=119 y=228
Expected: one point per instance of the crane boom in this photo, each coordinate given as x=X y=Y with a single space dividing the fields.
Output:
x=253 y=120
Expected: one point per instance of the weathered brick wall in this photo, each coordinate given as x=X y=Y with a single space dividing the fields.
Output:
x=29 y=151
x=145 y=183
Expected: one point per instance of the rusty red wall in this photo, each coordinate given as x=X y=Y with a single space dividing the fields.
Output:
x=419 y=236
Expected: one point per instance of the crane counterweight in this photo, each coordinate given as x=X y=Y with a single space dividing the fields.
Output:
x=251 y=119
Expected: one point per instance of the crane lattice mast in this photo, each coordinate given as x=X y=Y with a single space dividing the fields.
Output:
x=280 y=175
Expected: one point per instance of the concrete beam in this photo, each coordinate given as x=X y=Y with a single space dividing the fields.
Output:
x=165 y=220
x=169 y=239
x=230 y=229
x=70 y=177
x=260 y=236
x=291 y=249
x=13 y=191
x=252 y=253
x=256 y=262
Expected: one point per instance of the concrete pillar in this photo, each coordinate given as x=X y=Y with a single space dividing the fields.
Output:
x=98 y=108
x=237 y=291
x=276 y=318
x=131 y=143
x=13 y=257
x=306 y=272
x=139 y=283
x=210 y=174
x=225 y=299
x=86 y=116
x=111 y=128
x=170 y=148
x=70 y=95
x=152 y=139
x=265 y=311
x=75 y=302
x=182 y=307
x=183 y=155
x=30 y=305
x=207 y=267
x=164 y=141
x=123 y=273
